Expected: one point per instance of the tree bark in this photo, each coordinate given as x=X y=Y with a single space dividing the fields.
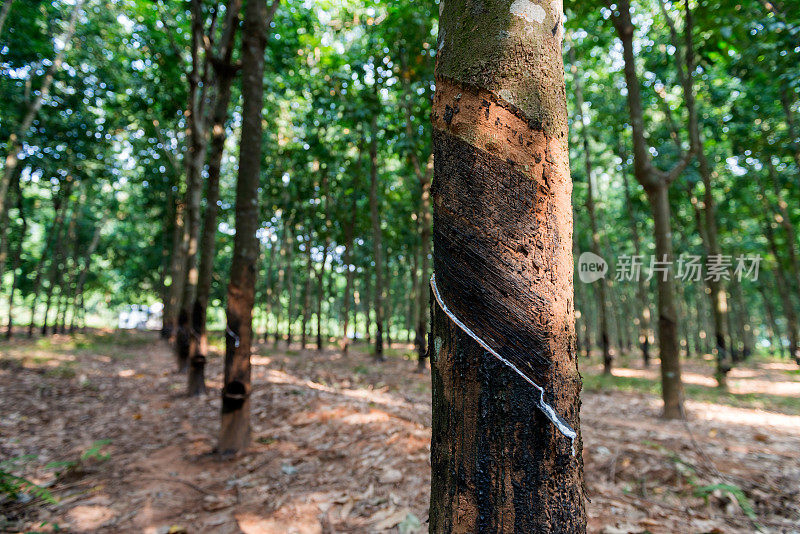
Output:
x=187 y=338
x=325 y=248
x=641 y=287
x=306 y=295
x=502 y=234
x=656 y=184
x=60 y=207
x=377 y=237
x=4 y=13
x=224 y=72
x=349 y=231
x=717 y=294
x=600 y=287
x=16 y=140
x=17 y=259
x=235 y=423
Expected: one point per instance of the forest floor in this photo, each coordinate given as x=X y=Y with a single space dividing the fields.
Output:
x=341 y=444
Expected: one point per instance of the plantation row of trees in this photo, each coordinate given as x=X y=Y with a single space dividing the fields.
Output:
x=139 y=162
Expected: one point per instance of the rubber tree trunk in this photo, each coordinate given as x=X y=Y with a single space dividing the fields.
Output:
x=502 y=234
x=641 y=287
x=307 y=294
x=224 y=73
x=600 y=287
x=187 y=339
x=235 y=424
x=708 y=223
x=16 y=260
x=349 y=231
x=377 y=237
x=321 y=297
x=656 y=184
x=4 y=13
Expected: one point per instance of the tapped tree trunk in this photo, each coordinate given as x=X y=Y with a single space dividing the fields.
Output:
x=502 y=235
x=235 y=423
x=224 y=73
x=377 y=234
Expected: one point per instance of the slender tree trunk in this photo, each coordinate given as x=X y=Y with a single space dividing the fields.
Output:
x=235 y=424
x=600 y=287
x=776 y=339
x=306 y=294
x=187 y=339
x=791 y=127
x=377 y=237
x=503 y=270
x=16 y=261
x=368 y=305
x=289 y=285
x=4 y=13
x=349 y=231
x=708 y=223
x=656 y=184
x=224 y=75
x=641 y=287
x=84 y=273
x=325 y=247
x=16 y=140
x=792 y=327
x=60 y=207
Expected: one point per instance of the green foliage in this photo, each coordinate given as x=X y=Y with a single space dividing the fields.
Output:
x=735 y=491
x=14 y=486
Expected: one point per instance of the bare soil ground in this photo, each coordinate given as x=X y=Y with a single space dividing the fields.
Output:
x=341 y=444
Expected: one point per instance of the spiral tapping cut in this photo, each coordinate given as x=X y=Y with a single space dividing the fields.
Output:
x=560 y=423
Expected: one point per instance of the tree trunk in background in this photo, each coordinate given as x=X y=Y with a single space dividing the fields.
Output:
x=235 y=424
x=326 y=246
x=785 y=220
x=187 y=337
x=425 y=220
x=377 y=234
x=784 y=288
x=776 y=339
x=790 y=124
x=289 y=284
x=60 y=207
x=368 y=305
x=641 y=287
x=59 y=260
x=17 y=259
x=656 y=184
x=224 y=72
x=84 y=273
x=742 y=322
x=349 y=230
x=600 y=287
x=269 y=288
x=707 y=224
x=4 y=13
x=503 y=264
x=306 y=294
x=16 y=140
x=177 y=260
